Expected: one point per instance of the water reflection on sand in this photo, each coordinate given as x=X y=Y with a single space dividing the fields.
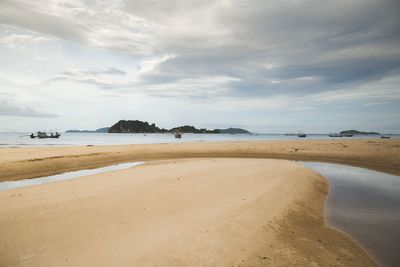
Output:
x=63 y=176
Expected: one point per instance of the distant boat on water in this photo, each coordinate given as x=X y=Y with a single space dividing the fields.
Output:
x=178 y=135
x=42 y=135
x=335 y=135
x=348 y=135
x=301 y=134
x=385 y=136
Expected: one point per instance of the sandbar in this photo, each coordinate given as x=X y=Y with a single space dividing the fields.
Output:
x=186 y=212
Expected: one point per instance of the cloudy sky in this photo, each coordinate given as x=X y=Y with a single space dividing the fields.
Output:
x=264 y=65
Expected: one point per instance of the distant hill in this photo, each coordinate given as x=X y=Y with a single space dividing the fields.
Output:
x=100 y=130
x=232 y=131
x=136 y=126
x=355 y=132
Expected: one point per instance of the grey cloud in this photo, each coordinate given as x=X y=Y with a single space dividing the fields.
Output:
x=11 y=109
x=298 y=39
x=24 y=15
x=80 y=22
x=267 y=47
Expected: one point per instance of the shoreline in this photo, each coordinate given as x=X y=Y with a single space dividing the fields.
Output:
x=25 y=163
x=210 y=211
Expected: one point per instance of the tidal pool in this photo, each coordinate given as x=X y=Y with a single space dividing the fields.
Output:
x=366 y=205
x=63 y=176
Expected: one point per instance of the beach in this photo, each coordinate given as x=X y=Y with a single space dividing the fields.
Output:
x=376 y=154
x=191 y=212
x=194 y=204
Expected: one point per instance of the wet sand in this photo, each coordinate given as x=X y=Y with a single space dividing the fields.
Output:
x=189 y=212
x=20 y=163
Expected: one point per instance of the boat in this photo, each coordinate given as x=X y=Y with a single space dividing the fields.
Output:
x=385 y=136
x=42 y=135
x=348 y=135
x=335 y=135
x=301 y=134
x=178 y=135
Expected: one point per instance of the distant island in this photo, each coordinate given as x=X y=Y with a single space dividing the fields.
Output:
x=191 y=129
x=100 y=130
x=136 y=126
x=232 y=131
x=355 y=132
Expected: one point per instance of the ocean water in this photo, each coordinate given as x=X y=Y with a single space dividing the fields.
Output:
x=72 y=139
x=366 y=205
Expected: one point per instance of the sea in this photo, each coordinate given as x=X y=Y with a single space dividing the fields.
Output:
x=20 y=139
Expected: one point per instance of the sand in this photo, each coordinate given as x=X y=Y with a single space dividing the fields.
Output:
x=191 y=204
x=189 y=212
x=376 y=154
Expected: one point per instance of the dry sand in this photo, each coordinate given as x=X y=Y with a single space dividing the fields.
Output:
x=19 y=163
x=192 y=212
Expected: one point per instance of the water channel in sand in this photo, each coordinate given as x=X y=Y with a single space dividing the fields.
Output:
x=7 y=185
x=364 y=204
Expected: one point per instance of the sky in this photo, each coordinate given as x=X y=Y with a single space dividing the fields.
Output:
x=271 y=66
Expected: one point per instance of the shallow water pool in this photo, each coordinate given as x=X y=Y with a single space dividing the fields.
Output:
x=366 y=205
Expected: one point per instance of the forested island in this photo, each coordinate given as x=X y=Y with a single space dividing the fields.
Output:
x=355 y=132
x=136 y=126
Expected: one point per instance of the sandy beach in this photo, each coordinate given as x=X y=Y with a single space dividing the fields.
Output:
x=20 y=163
x=192 y=204
x=189 y=212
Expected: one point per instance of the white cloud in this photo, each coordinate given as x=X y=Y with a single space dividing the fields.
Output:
x=204 y=87
x=15 y=40
x=151 y=65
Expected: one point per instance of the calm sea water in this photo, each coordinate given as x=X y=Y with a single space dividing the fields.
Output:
x=366 y=205
x=23 y=139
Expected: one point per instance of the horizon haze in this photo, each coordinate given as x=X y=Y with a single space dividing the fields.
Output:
x=264 y=66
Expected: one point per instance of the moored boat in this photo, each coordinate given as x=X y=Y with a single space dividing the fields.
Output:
x=301 y=134
x=42 y=135
x=335 y=135
x=178 y=135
